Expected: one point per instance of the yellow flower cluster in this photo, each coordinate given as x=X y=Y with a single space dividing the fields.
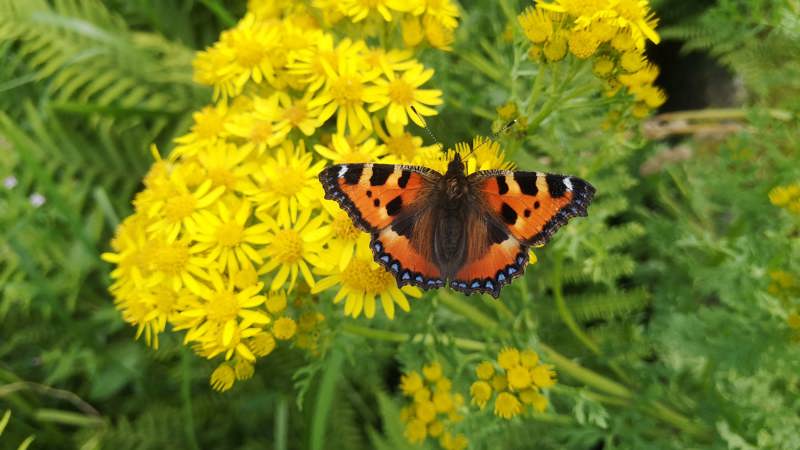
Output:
x=433 y=408
x=235 y=217
x=517 y=383
x=786 y=288
x=613 y=32
x=786 y=197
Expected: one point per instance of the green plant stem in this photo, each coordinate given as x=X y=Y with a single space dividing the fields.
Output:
x=392 y=336
x=282 y=423
x=186 y=399
x=719 y=114
x=564 y=311
x=472 y=313
x=219 y=10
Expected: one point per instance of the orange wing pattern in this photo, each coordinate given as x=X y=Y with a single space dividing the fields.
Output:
x=520 y=209
x=383 y=199
x=533 y=204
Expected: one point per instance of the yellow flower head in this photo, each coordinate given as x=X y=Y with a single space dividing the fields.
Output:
x=340 y=150
x=410 y=383
x=507 y=405
x=481 y=392
x=223 y=377
x=292 y=248
x=485 y=370
x=403 y=97
x=508 y=358
x=536 y=24
x=432 y=371
x=362 y=282
x=284 y=328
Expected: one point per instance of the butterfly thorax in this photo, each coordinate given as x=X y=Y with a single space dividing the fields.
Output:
x=453 y=199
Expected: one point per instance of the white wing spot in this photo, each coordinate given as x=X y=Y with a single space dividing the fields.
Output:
x=342 y=171
x=568 y=184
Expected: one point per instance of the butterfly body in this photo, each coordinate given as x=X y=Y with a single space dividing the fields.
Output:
x=470 y=232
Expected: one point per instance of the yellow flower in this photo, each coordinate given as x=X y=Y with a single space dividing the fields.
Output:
x=358 y=10
x=437 y=34
x=416 y=431
x=209 y=127
x=444 y=11
x=286 y=183
x=435 y=428
x=555 y=49
x=341 y=151
x=582 y=43
x=443 y=401
x=244 y=370
x=536 y=24
x=315 y=65
x=294 y=113
x=362 y=281
x=400 y=143
x=225 y=238
x=410 y=383
x=292 y=248
x=183 y=208
x=507 y=405
x=484 y=370
x=403 y=96
x=632 y=61
x=345 y=95
x=518 y=378
x=223 y=377
x=257 y=126
x=250 y=45
x=528 y=358
x=344 y=234
x=543 y=376
x=508 y=358
x=481 y=392
x=483 y=154
x=284 y=328
x=225 y=166
x=457 y=442
x=262 y=344
x=425 y=411
x=784 y=195
x=412 y=31
x=432 y=371
x=499 y=382
x=276 y=302
x=603 y=66
x=422 y=395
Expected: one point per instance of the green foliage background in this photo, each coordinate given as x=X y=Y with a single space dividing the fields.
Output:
x=663 y=289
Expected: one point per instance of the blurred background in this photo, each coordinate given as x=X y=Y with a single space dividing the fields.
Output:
x=86 y=86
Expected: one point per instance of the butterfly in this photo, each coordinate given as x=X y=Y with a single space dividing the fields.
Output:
x=470 y=232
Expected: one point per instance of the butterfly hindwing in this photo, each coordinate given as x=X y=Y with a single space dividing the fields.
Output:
x=384 y=199
x=533 y=205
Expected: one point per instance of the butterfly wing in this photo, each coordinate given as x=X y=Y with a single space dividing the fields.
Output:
x=518 y=209
x=387 y=200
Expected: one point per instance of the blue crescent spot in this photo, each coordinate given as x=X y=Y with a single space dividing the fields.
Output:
x=475 y=284
x=431 y=282
x=395 y=267
x=520 y=259
x=454 y=284
x=406 y=276
x=385 y=258
x=512 y=270
x=489 y=285
x=501 y=277
x=377 y=246
x=419 y=278
x=462 y=285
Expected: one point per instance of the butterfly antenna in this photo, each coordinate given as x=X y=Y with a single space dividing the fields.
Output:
x=425 y=125
x=494 y=136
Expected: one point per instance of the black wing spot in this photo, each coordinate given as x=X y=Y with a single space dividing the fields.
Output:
x=369 y=193
x=379 y=175
x=555 y=185
x=502 y=186
x=496 y=234
x=403 y=180
x=376 y=202
x=353 y=174
x=508 y=213
x=394 y=206
x=536 y=204
x=527 y=213
x=527 y=183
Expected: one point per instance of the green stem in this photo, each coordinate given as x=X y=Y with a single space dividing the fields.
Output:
x=219 y=10
x=472 y=313
x=565 y=313
x=282 y=424
x=186 y=398
x=391 y=336
x=720 y=114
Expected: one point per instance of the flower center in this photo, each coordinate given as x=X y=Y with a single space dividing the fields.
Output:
x=289 y=182
x=343 y=228
x=221 y=176
x=250 y=53
x=179 y=207
x=171 y=258
x=208 y=124
x=364 y=275
x=230 y=234
x=402 y=146
x=223 y=307
x=261 y=132
x=346 y=90
x=401 y=92
x=288 y=246
x=296 y=113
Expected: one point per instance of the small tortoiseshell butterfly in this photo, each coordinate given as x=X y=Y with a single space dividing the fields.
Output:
x=470 y=232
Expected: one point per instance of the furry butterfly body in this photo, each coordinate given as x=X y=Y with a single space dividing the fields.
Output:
x=469 y=232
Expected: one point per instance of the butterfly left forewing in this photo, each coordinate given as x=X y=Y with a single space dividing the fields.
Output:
x=387 y=200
